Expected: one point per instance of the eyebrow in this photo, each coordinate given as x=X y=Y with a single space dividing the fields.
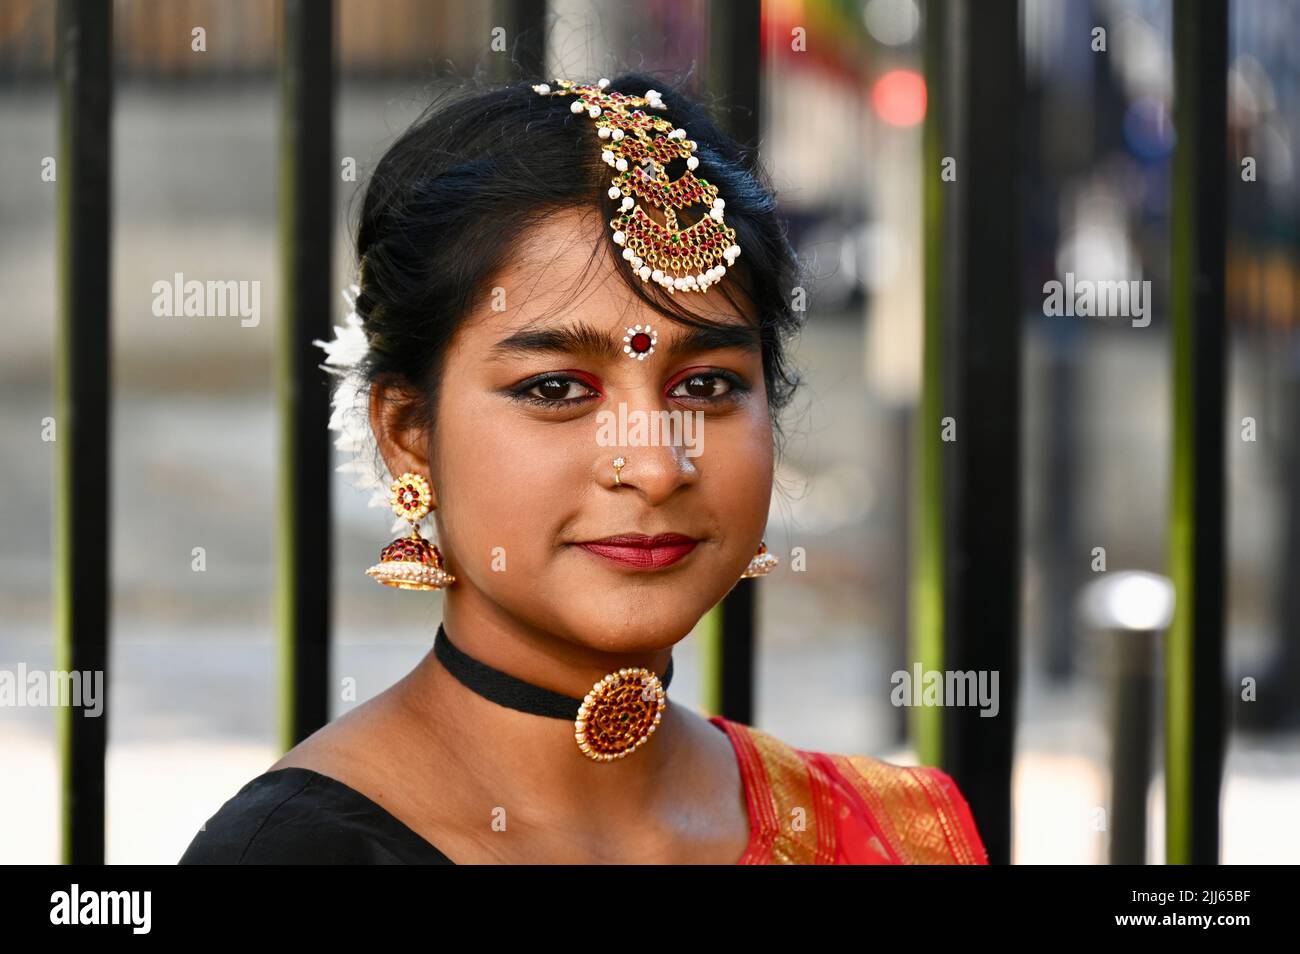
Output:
x=586 y=340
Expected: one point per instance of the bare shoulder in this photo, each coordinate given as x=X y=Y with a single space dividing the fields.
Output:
x=348 y=746
x=368 y=749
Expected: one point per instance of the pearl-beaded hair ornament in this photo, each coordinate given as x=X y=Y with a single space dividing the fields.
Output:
x=639 y=146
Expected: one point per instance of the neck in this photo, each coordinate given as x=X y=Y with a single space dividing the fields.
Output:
x=507 y=750
x=535 y=655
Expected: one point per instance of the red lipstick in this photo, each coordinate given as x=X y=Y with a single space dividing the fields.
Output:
x=641 y=552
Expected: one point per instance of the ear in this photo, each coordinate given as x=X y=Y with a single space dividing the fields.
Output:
x=404 y=445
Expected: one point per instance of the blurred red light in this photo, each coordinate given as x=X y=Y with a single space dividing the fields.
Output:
x=899 y=97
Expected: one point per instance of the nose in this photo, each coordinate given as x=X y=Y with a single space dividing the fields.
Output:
x=653 y=443
x=655 y=472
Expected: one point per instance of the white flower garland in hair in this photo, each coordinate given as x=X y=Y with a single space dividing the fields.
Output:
x=350 y=409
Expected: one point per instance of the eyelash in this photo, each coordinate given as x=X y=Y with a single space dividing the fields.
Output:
x=521 y=392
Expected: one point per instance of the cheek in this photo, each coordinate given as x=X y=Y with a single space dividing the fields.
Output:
x=738 y=462
x=505 y=481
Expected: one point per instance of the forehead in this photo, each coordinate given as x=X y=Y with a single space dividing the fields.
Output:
x=562 y=269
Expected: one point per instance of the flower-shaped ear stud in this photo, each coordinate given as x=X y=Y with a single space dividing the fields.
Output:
x=411 y=563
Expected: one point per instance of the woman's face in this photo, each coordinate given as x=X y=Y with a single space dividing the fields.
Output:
x=537 y=398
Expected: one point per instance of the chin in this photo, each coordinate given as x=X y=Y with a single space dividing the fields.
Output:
x=614 y=632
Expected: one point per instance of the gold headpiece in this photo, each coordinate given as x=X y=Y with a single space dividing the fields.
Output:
x=639 y=146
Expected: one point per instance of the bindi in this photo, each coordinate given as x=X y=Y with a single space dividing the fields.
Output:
x=639 y=342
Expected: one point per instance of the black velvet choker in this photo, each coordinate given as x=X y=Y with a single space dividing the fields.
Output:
x=507 y=690
x=617 y=717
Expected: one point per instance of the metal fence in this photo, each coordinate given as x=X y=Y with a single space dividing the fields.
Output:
x=966 y=570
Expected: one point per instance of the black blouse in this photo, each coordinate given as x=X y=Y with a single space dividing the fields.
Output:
x=295 y=816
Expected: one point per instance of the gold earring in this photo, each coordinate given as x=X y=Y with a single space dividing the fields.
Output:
x=411 y=563
x=761 y=564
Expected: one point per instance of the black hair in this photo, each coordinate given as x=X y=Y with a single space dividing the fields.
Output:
x=452 y=198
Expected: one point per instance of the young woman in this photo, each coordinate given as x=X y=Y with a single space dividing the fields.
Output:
x=537 y=265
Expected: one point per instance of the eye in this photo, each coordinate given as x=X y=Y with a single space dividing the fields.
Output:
x=707 y=386
x=555 y=390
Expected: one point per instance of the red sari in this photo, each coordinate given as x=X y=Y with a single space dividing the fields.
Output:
x=820 y=808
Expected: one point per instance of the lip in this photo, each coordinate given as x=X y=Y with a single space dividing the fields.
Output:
x=642 y=552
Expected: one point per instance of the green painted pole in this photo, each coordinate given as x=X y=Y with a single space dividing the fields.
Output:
x=524 y=55
x=927 y=588
x=307 y=174
x=82 y=401
x=967 y=574
x=735 y=77
x=1194 y=687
